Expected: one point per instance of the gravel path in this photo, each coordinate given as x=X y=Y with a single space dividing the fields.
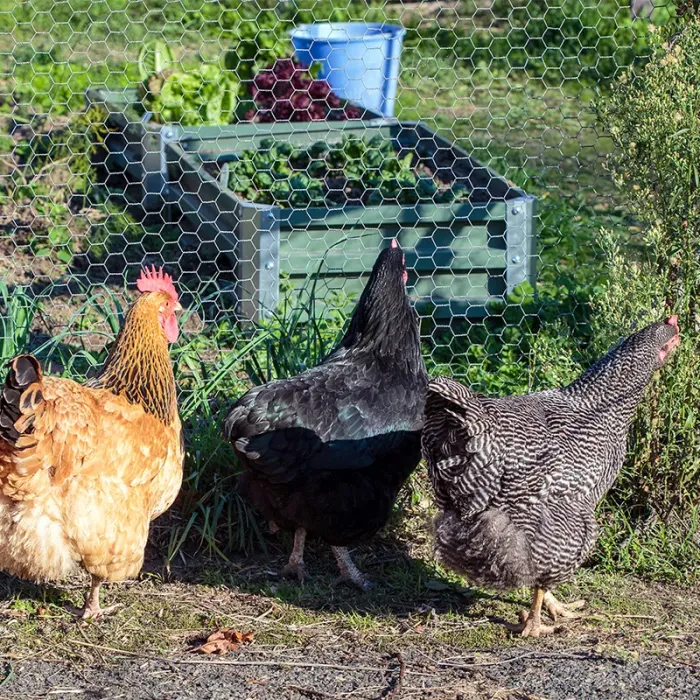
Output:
x=295 y=673
x=594 y=677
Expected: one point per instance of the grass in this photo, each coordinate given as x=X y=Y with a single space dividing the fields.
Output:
x=412 y=606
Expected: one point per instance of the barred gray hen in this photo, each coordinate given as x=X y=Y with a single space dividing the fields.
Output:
x=518 y=478
x=326 y=452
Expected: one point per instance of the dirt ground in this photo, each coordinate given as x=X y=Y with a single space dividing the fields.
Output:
x=416 y=634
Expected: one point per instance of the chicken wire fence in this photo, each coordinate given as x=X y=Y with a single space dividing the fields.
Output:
x=265 y=153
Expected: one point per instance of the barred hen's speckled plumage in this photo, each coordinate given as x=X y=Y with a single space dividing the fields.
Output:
x=327 y=451
x=518 y=478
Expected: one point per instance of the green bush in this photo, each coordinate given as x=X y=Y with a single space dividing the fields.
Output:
x=654 y=120
x=588 y=40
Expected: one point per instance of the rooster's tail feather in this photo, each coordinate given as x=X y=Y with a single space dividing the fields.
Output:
x=21 y=394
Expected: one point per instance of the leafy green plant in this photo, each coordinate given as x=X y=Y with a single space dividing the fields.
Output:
x=71 y=148
x=201 y=96
x=57 y=238
x=257 y=38
x=17 y=314
x=653 y=120
x=354 y=171
x=45 y=82
x=298 y=336
x=155 y=57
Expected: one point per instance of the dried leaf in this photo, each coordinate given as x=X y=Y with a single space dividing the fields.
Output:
x=219 y=646
x=237 y=637
x=223 y=641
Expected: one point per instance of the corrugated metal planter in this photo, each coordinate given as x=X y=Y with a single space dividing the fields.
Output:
x=460 y=256
x=136 y=142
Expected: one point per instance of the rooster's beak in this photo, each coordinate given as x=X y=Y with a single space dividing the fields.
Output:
x=178 y=306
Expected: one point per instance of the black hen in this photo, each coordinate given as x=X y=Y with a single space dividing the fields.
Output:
x=326 y=452
x=518 y=478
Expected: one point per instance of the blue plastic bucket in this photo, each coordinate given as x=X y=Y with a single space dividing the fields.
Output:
x=360 y=61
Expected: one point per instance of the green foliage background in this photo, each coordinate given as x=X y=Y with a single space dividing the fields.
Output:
x=513 y=85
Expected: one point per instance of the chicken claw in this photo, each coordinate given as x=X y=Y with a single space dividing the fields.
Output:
x=92 y=610
x=91 y=613
x=558 y=609
x=349 y=573
x=530 y=621
x=359 y=582
x=295 y=566
x=294 y=570
x=530 y=626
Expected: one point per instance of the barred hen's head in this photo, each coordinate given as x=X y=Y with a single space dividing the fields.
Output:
x=159 y=294
x=651 y=347
x=626 y=370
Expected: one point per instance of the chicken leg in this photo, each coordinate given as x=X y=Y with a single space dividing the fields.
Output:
x=349 y=573
x=295 y=566
x=92 y=610
x=558 y=609
x=530 y=622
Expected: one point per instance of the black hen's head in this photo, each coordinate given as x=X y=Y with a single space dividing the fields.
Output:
x=384 y=319
x=388 y=278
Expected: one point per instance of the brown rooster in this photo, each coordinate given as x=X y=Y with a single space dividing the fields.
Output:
x=85 y=468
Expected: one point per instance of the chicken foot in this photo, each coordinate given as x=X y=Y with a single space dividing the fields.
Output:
x=92 y=610
x=349 y=573
x=295 y=566
x=531 y=622
x=558 y=609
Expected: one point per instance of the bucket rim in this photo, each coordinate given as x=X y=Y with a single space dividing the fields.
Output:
x=386 y=30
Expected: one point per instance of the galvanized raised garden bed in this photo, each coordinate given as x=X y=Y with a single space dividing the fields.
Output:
x=136 y=142
x=460 y=256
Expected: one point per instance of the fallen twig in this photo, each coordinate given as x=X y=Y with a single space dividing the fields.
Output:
x=310 y=692
x=395 y=688
x=467 y=667
x=8 y=675
x=271 y=609
x=290 y=664
x=510 y=660
x=117 y=651
x=89 y=643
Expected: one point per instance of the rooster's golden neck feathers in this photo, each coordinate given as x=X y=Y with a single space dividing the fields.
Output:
x=138 y=366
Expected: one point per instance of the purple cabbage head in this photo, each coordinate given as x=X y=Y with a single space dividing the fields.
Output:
x=286 y=91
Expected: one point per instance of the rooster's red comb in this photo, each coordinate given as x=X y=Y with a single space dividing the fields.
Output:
x=156 y=281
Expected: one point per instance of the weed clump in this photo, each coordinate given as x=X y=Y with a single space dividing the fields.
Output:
x=653 y=120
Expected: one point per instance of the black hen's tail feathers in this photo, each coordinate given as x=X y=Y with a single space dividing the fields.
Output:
x=20 y=395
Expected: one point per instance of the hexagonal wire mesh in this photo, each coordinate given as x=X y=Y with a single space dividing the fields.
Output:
x=265 y=152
